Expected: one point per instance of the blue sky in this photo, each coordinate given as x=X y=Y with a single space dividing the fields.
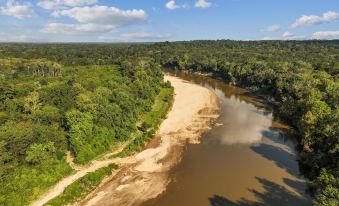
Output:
x=166 y=20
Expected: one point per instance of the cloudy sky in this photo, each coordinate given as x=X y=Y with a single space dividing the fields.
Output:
x=166 y=20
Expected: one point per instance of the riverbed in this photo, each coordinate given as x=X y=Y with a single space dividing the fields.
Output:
x=247 y=159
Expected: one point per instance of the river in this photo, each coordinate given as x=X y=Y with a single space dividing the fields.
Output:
x=245 y=160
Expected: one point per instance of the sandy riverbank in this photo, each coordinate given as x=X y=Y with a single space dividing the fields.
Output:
x=145 y=175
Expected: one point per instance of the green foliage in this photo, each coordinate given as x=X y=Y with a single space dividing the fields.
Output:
x=26 y=183
x=46 y=110
x=39 y=153
x=60 y=95
x=80 y=134
x=328 y=186
x=82 y=187
x=32 y=102
x=47 y=115
x=150 y=121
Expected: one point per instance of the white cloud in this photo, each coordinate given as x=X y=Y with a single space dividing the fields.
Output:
x=326 y=35
x=59 y=28
x=290 y=36
x=327 y=17
x=137 y=37
x=47 y=4
x=54 y=4
x=287 y=34
x=203 y=4
x=15 y=9
x=172 y=5
x=96 y=19
x=20 y=38
x=269 y=38
x=105 y=15
x=272 y=28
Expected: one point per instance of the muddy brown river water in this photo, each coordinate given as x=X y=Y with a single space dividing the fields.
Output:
x=245 y=160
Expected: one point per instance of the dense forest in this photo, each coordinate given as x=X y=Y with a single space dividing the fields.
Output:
x=80 y=99
x=47 y=109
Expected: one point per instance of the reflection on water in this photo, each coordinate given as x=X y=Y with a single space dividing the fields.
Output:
x=244 y=162
x=246 y=126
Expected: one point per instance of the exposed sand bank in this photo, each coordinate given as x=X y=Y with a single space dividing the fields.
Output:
x=146 y=175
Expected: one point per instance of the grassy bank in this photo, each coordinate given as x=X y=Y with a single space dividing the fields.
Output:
x=150 y=122
x=82 y=187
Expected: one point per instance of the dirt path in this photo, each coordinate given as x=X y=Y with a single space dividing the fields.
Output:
x=146 y=175
x=80 y=172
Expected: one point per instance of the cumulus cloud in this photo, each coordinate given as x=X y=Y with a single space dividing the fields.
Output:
x=54 y=4
x=137 y=37
x=105 y=15
x=272 y=28
x=173 y=5
x=17 y=10
x=203 y=4
x=290 y=36
x=95 y=19
x=327 y=17
x=59 y=28
x=287 y=34
x=326 y=35
x=267 y=38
